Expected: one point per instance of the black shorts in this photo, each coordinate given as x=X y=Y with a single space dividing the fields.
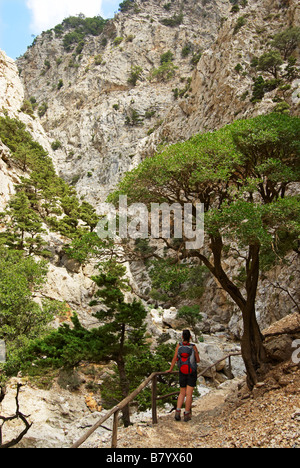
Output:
x=187 y=380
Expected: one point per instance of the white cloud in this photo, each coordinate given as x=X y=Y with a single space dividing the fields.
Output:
x=48 y=13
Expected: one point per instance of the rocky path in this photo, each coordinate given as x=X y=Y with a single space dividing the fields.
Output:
x=229 y=418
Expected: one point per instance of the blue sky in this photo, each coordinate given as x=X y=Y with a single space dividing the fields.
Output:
x=21 y=20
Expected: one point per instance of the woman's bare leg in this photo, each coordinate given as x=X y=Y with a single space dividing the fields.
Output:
x=189 y=399
x=181 y=398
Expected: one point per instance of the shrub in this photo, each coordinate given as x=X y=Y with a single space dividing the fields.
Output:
x=196 y=57
x=238 y=68
x=186 y=50
x=60 y=84
x=27 y=108
x=118 y=41
x=98 y=59
x=270 y=62
x=261 y=87
x=135 y=74
x=133 y=118
x=176 y=20
x=282 y=108
x=126 y=5
x=56 y=145
x=240 y=23
x=163 y=73
x=166 y=57
x=42 y=109
x=81 y=27
x=287 y=41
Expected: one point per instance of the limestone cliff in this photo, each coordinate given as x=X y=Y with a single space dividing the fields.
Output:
x=193 y=66
x=105 y=123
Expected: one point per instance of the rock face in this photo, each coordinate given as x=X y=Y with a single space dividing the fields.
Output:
x=102 y=120
x=107 y=125
x=59 y=417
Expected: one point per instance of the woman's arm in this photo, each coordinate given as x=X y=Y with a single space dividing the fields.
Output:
x=197 y=354
x=174 y=359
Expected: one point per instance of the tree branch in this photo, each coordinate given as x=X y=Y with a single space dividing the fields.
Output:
x=18 y=415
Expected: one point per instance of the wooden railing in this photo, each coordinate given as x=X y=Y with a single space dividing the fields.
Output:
x=153 y=378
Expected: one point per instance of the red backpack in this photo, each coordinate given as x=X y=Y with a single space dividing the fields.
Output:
x=186 y=359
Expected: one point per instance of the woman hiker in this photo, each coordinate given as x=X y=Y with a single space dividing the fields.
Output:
x=187 y=357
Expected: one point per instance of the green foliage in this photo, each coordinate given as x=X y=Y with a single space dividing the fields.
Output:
x=287 y=41
x=270 y=62
x=282 y=108
x=165 y=72
x=80 y=28
x=261 y=86
x=187 y=50
x=27 y=108
x=23 y=225
x=166 y=57
x=176 y=20
x=56 y=145
x=21 y=319
x=258 y=156
x=64 y=347
x=42 y=109
x=126 y=5
x=60 y=84
x=241 y=174
x=25 y=151
x=43 y=197
x=133 y=118
x=120 y=337
x=118 y=41
x=241 y=22
x=135 y=75
x=112 y=284
x=87 y=246
x=171 y=279
x=168 y=276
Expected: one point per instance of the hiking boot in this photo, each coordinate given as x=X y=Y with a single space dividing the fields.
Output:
x=187 y=416
x=178 y=416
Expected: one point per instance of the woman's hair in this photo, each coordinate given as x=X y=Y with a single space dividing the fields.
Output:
x=186 y=335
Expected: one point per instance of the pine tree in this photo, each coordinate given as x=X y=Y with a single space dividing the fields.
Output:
x=23 y=225
x=123 y=329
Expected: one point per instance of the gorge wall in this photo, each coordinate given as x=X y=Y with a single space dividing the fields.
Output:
x=105 y=123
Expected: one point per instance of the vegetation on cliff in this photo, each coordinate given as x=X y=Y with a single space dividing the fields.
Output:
x=241 y=174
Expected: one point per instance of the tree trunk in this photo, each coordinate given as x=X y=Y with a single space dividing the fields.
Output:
x=125 y=390
x=123 y=377
x=253 y=350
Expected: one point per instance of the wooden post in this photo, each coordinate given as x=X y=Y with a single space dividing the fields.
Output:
x=114 y=442
x=154 y=400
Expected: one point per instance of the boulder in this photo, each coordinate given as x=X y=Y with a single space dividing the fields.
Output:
x=170 y=319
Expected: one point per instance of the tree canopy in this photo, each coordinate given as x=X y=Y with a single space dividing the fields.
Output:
x=241 y=173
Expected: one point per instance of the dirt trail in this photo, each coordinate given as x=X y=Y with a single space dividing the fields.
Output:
x=166 y=433
x=269 y=417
